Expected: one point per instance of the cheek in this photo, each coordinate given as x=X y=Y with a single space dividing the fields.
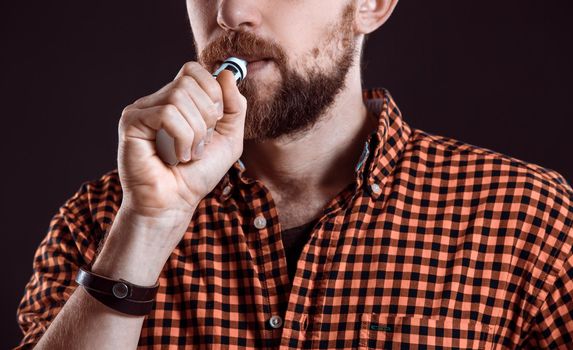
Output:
x=300 y=44
x=306 y=38
x=294 y=27
x=317 y=53
x=203 y=21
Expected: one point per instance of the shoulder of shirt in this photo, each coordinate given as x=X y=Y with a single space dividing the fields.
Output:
x=449 y=149
x=87 y=215
x=546 y=216
x=96 y=200
x=105 y=188
x=504 y=179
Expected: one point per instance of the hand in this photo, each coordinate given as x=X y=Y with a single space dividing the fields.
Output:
x=186 y=108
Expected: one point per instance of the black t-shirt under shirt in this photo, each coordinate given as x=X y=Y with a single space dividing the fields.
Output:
x=294 y=239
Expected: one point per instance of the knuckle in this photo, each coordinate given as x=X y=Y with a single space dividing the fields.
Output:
x=212 y=112
x=140 y=100
x=126 y=110
x=176 y=96
x=190 y=67
x=214 y=91
x=168 y=111
x=187 y=138
x=184 y=81
x=201 y=132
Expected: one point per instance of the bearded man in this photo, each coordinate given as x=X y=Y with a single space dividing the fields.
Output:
x=304 y=212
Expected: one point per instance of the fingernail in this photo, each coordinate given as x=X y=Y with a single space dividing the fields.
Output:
x=209 y=135
x=199 y=149
x=187 y=155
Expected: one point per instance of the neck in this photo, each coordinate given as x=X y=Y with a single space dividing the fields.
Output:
x=321 y=160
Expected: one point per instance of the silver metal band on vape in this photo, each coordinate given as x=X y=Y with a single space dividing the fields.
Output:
x=236 y=65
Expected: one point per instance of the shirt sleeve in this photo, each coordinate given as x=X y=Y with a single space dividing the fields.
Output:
x=553 y=325
x=71 y=242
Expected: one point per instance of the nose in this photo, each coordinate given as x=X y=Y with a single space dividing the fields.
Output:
x=239 y=14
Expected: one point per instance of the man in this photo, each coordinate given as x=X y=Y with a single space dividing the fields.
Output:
x=305 y=212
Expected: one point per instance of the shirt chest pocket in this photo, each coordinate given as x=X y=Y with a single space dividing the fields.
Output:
x=413 y=332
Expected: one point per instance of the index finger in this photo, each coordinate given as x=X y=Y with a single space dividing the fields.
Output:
x=205 y=80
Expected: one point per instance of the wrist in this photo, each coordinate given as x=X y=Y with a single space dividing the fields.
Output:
x=130 y=204
x=137 y=247
x=155 y=230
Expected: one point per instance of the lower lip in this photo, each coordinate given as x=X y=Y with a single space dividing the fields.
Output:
x=256 y=66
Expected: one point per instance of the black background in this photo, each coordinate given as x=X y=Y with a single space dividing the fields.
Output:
x=494 y=74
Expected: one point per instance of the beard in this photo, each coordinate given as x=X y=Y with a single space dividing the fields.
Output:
x=299 y=100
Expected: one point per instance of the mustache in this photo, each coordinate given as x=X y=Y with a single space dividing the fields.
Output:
x=240 y=44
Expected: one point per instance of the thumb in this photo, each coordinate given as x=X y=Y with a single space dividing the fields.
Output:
x=234 y=104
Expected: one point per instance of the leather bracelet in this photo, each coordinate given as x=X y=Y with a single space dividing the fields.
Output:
x=120 y=295
x=129 y=307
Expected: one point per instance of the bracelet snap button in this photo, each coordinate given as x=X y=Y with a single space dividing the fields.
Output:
x=120 y=290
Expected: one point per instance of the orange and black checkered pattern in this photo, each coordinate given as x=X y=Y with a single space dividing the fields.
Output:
x=437 y=244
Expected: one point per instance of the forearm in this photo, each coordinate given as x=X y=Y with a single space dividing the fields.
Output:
x=85 y=323
x=136 y=250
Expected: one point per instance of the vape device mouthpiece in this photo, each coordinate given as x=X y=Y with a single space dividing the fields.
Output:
x=236 y=65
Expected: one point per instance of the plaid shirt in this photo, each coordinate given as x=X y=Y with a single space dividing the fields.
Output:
x=436 y=244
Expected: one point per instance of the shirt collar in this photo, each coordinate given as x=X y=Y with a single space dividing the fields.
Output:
x=384 y=147
x=381 y=153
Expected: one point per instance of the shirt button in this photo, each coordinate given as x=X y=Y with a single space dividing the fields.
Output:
x=260 y=222
x=375 y=188
x=276 y=321
x=226 y=190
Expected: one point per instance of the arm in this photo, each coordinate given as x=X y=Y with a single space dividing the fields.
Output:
x=157 y=205
x=85 y=323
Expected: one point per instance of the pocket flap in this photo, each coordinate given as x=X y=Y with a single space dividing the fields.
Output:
x=412 y=332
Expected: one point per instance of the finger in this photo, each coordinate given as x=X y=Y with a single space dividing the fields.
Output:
x=205 y=80
x=209 y=110
x=155 y=99
x=234 y=104
x=181 y=99
x=169 y=118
